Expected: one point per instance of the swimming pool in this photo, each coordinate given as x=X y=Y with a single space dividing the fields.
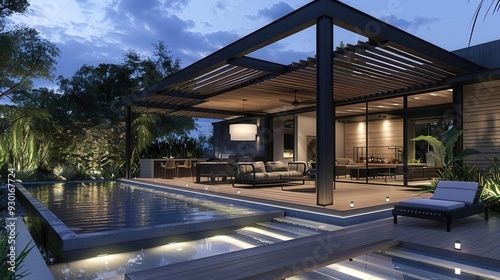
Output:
x=81 y=220
x=102 y=206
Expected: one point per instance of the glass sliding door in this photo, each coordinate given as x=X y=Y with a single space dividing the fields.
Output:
x=428 y=114
x=385 y=140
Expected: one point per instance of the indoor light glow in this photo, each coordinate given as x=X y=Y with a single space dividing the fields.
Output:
x=243 y=132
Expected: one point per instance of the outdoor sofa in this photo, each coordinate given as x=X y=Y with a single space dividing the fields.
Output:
x=451 y=200
x=272 y=172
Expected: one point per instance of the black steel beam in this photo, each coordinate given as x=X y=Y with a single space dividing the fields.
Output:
x=258 y=64
x=358 y=22
x=128 y=146
x=458 y=116
x=292 y=23
x=193 y=109
x=325 y=117
x=180 y=94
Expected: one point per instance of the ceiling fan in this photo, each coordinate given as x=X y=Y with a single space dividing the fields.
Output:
x=296 y=103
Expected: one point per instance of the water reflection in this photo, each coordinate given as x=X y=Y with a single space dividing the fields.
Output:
x=102 y=206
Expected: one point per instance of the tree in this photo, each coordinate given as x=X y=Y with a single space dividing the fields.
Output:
x=493 y=8
x=24 y=54
x=10 y=7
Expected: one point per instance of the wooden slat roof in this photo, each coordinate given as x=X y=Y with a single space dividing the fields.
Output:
x=386 y=65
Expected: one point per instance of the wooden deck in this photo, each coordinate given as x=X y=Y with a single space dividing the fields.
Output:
x=480 y=239
x=366 y=197
x=480 y=242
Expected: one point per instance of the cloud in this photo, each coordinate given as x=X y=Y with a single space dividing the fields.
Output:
x=274 y=12
x=410 y=26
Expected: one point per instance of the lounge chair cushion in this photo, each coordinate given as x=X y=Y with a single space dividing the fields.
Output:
x=456 y=191
x=432 y=204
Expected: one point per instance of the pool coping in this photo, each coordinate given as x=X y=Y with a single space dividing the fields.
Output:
x=66 y=245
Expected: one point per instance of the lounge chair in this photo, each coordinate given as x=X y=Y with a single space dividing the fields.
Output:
x=451 y=200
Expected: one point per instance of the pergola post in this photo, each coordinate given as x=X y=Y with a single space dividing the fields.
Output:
x=325 y=122
x=128 y=146
x=457 y=115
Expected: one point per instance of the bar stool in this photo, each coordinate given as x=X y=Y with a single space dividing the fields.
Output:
x=185 y=166
x=168 y=167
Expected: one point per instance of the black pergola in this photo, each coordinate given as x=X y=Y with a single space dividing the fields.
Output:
x=390 y=63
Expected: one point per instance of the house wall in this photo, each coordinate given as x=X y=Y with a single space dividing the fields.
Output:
x=384 y=135
x=278 y=138
x=306 y=126
x=481 y=121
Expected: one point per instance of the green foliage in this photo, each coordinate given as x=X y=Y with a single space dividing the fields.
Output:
x=479 y=8
x=71 y=172
x=454 y=169
x=25 y=56
x=456 y=172
x=490 y=180
x=443 y=149
x=112 y=172
x=25 y=137
x=27 y=175
x=78 y=125
x=10 y=7
x=5 y=269
x=64 y=172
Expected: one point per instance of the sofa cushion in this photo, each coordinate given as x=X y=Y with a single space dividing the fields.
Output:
x=290 y=173
x=262 y=176
x=432 y=204
x=246 y=168
x=259 y=166
x=342 y=161
x=274 y=166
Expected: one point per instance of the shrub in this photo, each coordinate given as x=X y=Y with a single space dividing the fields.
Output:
x=26 y=175
x=112 y=172
x=64 y=171
x=6 y=271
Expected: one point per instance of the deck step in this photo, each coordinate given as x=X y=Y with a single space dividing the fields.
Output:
x=279 y=260
x=287 y=229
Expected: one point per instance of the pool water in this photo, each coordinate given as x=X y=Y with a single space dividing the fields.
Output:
x=115 y=266
x=391 y=263
x=102 y=206
x=400 y=263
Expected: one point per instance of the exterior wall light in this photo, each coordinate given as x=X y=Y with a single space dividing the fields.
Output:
x=387 y=199
x=458 y=245
x=351 y=204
